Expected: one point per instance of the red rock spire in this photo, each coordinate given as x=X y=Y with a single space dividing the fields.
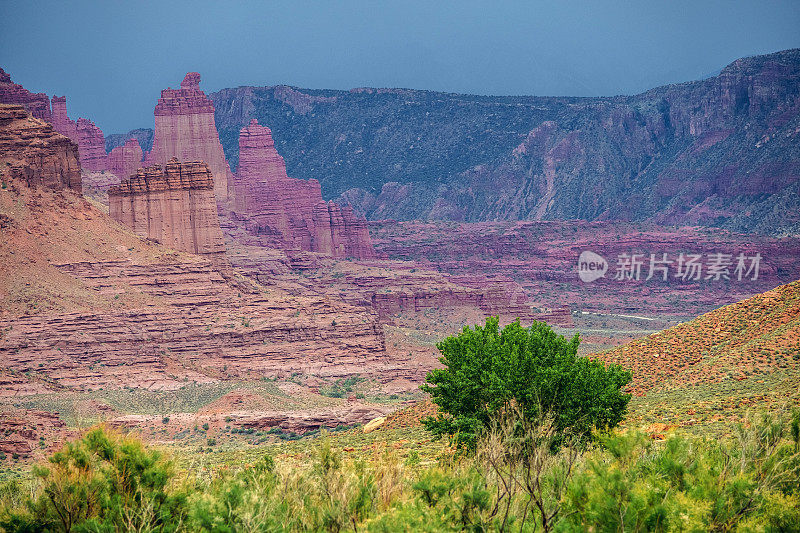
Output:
x=292 y=209
x=185 y=129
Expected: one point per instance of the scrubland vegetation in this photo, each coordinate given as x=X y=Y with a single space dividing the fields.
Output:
x=514 y=481
x=524 y=448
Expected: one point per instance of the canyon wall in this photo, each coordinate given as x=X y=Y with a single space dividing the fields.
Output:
x=172 y=205
x=185 y=129
x=34 y=153
x=126 y=159
x=291 y=211
x=37 y=104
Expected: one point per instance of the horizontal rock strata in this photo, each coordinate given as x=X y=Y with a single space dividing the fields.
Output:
x=34 y=153
x=173 y=205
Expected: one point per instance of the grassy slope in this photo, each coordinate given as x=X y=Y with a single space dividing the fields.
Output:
x=749 y=339
x=708 y=373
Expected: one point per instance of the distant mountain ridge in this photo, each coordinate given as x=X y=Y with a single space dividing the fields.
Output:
x=722 y=151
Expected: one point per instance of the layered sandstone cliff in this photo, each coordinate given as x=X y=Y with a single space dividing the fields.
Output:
x=718 y=151
x=289 y=210
x=12 y=93
x=185 y=129
x=173 y=205
x=91 y=145
x=126 y=159
x=32 y=152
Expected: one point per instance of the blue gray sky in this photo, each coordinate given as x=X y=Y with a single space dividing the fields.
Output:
x=111 y=58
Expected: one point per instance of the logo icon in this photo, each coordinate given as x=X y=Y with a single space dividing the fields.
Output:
x=591 y=266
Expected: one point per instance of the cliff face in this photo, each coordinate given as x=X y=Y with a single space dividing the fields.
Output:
x=91 y=145
x=185 y=129
x=83 y=132
x=34 y=153
x=722 y=151
x=61 y=121
x=291 y=210
x=37 y=104
x=126 y=159
x=173 y=205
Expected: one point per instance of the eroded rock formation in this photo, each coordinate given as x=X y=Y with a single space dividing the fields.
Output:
x=173 y=205
x=61 y=121
x=83 y=132
x=185 y=130
x=91 y=145
x=34 y=153
x=292 y=210
x=126 y=159
x=12 y=93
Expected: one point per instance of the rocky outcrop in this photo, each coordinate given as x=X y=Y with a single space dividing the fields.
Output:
x=304 y=421
x=37 y=104
x=292 y=211
x=172 y=205
x=84 y=132
x=61 y=121
x=91 y=146
x=185 y=129
x=126 y=159
x=22 y=430
x=32 y=152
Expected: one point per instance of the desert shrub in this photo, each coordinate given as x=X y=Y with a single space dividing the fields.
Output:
x=488 y=372
x=750 y=482
x=341 y=387
x=102 y=482
x=515 y=481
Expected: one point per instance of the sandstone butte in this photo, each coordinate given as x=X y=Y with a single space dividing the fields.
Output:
x=291 y=210
x=36 y=154
x=11 y=93
x=123 y=161
x=185 y=129
x=84 y=132
x=173 y=205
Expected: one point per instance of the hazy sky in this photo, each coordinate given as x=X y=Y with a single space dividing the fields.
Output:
x=111 y=58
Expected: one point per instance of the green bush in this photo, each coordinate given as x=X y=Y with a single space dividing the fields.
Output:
x=102 y=482
x=515 y=481
x=488 y=371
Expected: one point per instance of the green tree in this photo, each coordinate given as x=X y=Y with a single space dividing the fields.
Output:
x=534 y=370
